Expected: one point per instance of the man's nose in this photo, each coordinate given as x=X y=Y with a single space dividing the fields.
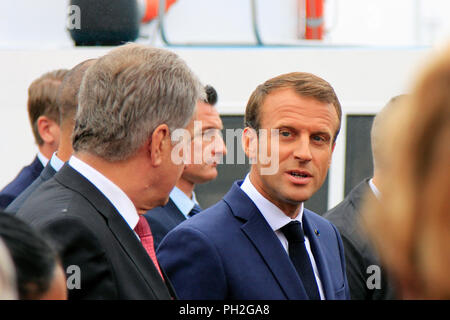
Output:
x=302 y=149
x=220 y=147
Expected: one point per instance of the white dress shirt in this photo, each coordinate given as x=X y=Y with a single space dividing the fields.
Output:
x=43 y=159
x=182 y=201
x=278 y=219
x=374 y=189
x=112 y=192
x=56 y=162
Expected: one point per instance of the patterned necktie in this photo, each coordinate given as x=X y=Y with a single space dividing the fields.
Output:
x=196 y=209
x=145 y=234
x=300 y=259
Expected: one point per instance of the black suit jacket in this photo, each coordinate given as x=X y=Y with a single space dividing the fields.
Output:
x=163 y=219
x=25 y=177
x=359 y=253
x=92 y=235
x=45 y=175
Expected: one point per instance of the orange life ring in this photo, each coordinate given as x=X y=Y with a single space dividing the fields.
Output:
x=314 y=19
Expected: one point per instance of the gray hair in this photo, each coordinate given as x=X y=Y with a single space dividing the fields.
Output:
x=129 y=92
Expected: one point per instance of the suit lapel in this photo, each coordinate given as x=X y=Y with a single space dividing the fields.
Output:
x=316 y=246
x=137 y=253
x=48 y=172
x=266 y=243
x=174 y=213
x=120 y=229
x=359 y=192
x=36 y=168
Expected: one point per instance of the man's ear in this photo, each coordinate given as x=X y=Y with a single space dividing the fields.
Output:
x=158 y=144
x=48 y=130
x=250 y=143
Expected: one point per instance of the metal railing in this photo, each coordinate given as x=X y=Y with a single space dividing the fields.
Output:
x=162 y=29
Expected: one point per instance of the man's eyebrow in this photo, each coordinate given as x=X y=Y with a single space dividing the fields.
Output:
x=320 y=132
x=283 y=126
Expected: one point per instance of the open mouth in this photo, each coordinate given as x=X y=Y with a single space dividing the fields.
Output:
x=299 y=177
x=300 y=174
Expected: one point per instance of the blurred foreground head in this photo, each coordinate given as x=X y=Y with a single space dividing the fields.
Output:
x=410 y=227
x=8 y=288
x=39 y=273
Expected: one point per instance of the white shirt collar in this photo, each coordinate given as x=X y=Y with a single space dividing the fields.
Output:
x=182 y=201
x=374 y=189
x=43 y=159
x=112 y=192
x=274 y=216
x=56 y=162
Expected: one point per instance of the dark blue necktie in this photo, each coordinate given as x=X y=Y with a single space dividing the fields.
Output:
x=196 y=209
x=300 y=259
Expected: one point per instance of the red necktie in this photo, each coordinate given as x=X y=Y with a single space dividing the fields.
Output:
x=145 y=234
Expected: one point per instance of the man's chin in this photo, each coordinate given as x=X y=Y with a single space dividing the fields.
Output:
x=164 y=201
x=207 y=175
x=154 y=204
x=298 y=197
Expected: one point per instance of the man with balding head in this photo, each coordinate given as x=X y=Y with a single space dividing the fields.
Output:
x=67 y=100
x=130 y=103
x=366 y=278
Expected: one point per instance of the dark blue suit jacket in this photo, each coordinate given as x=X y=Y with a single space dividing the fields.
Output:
x=230 y=252
x=163 y=219
x=46 y=174
x=25 y=177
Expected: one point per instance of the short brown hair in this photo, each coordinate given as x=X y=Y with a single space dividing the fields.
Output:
x=42 y=99
x=67 y=97
x=303 y=83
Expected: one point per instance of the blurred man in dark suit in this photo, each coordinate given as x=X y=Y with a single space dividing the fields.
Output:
x=366 y=277
x=130 y=103
x=182 y=201
x=44 y=118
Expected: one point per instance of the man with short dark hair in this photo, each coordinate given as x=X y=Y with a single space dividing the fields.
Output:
x=44 y=118
x=259 y=242
x=182 y=201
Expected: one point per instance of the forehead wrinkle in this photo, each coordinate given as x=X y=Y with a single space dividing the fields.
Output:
x=289 y=109
x=209 y=120
x=298 y=122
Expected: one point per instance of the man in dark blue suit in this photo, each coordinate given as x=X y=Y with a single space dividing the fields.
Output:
x=25 y=178
x=182 y=201
x=44 y=118
x=259 y=242
x=67 y=100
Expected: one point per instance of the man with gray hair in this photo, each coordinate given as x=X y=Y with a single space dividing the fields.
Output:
x=130 y=102
x=366 y=279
